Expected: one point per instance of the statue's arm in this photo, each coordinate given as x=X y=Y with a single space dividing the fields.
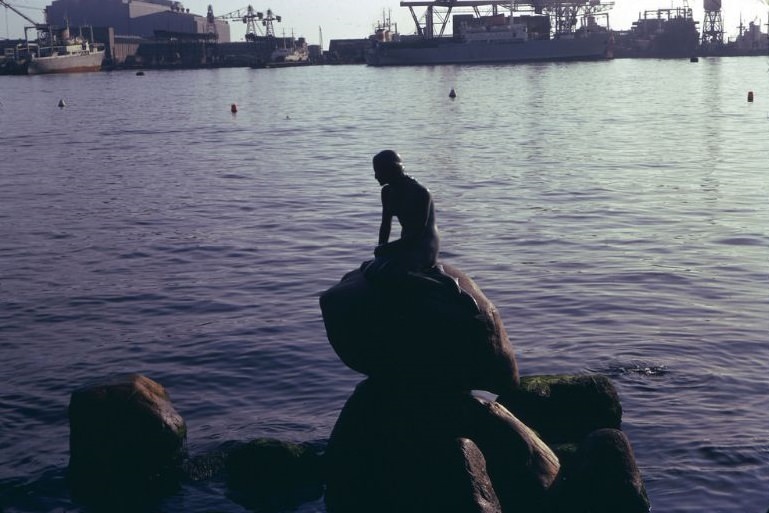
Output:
x=387 y=218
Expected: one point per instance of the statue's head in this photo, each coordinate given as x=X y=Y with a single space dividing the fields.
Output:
x=387 y=165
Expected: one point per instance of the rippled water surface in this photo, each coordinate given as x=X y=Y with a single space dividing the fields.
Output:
x=615 y=212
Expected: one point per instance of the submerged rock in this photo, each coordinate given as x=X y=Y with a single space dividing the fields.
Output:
x=430 y=331
x=565 y=408
x=126 y=438
x=273 y=474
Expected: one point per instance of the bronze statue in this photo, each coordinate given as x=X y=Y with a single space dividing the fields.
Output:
x=403 y=197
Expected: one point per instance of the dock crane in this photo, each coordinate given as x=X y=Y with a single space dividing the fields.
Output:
x=250 y=17
x=36 y=25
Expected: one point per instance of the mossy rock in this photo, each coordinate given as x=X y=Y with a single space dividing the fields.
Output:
x=565 y=408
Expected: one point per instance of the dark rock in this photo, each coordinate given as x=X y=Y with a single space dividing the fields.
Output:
x=468 y=477
x=396 y=451
x=521 y=466
x=201 y=467
x=604 y=478
x=440 y=475
x=422 y=331
x=272 y=474
x=565 y=408
x=126 y=439
x=567 y=453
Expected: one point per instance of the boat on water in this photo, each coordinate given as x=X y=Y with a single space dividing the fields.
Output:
x=70 y=57
x=536 y=33
x=292 y=52
x=296 y=55
x=59 y=52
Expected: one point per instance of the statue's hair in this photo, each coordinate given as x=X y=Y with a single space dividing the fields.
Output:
x=388 y=159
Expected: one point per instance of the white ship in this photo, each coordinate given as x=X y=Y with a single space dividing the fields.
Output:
x=58 y=52
x=69 y=56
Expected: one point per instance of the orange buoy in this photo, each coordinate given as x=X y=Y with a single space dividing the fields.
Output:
x=750 y=96
x=233 y=108
x=452 y=93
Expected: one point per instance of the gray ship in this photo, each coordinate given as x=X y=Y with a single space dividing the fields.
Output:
x=521 y=36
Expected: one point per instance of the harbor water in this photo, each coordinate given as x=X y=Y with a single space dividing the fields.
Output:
x=616 y=213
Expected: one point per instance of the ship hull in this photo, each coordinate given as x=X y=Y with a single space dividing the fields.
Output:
x=66 y=64
x=450 y=51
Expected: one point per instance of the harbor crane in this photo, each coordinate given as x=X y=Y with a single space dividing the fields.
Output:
x=211 y=22
x=250 y=17
x=36 y=25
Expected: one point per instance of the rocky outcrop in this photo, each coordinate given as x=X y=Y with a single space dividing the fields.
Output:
x=413 y=438
x=125 y=437
x=436 y=331
x=392 y=450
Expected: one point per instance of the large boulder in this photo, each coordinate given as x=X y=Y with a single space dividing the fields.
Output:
x=433 y=331
x=403 y=450
x=126 y=438
x=565 y=408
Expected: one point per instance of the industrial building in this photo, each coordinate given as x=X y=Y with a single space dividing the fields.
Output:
x=141 y=18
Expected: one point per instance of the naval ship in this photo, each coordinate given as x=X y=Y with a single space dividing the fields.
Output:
x=521 y=36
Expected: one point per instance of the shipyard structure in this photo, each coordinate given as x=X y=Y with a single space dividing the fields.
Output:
x=674 y=33
x=496 y=32
x=163 y=33
x=156 y=33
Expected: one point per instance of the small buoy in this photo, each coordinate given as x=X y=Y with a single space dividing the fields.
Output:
x=694 y=59
x=62 y=104
x=233 y=108
x=750 y=96
x=139 y=73
x=452 y=93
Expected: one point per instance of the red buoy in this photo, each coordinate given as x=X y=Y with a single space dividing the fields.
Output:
x=233 y=108
x=750 y=96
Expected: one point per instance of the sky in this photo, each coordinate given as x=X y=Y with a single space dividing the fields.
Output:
x=341 y=19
